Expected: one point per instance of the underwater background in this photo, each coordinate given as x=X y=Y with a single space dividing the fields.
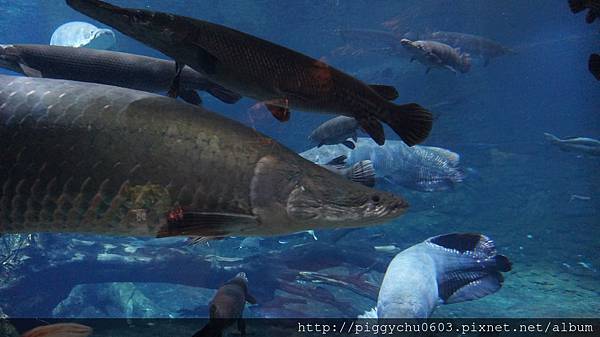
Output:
x=539 y=204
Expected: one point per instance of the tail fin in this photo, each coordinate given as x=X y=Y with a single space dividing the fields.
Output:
x=551 y=138
x=411 y=122
x=576 y=5
x=594 y=65
x=60 y=330
x=224 y=95
x=362 y=172
x=470 y=267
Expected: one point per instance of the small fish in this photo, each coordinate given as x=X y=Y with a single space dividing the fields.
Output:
x=227 y=307
x=594 y=65
x=444 y=269
x=474 y=45
x=108 y=67
x=337 y=130
x=282 y=78
x=60 y=330
x=579 y=197
x=434 y=54
x=581 y=5
x=588 y=146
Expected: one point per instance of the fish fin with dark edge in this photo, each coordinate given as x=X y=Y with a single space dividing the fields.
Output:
x=410 y=121
x=355 y=137
x=349 y=144
x=224 y=95
x=373 y=128
x=176 y=83
x=576 y=5
x=594 y=65
x=339 y=160
x=472 y=268
x=190 y=96
x=469 y=285
x=363 y=172
x=386 y=91
x=30 y=72
x=59 y=330
x=250 y=299
x=282 y=114
x=191 y=222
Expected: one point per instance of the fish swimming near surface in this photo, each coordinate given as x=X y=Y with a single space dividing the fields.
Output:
x=227 y=307
x=90 y=158
x=108 y=67
x=421 y=168
x=474 y=45
x=594 y=65
x=433 y=54
x=444 y=269
x=60 y=330
x=361 y=172
x=281 y=78
x=337 y=130
x=593 y=7
x=83 y=35
x=588 y=146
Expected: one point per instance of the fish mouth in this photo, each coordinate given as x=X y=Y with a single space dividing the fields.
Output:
x=120 y=18
x=343 y=211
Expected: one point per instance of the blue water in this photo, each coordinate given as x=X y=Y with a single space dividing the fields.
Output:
x=524 y=195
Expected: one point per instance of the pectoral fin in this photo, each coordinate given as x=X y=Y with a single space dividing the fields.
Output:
x=386 y=91
x=451 y=69
x=27 y=70
x=192 y=222
x=282 y=114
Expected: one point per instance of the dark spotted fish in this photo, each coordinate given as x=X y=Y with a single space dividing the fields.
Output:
x=91 y=158
x=282 y=78
x=108 y=67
